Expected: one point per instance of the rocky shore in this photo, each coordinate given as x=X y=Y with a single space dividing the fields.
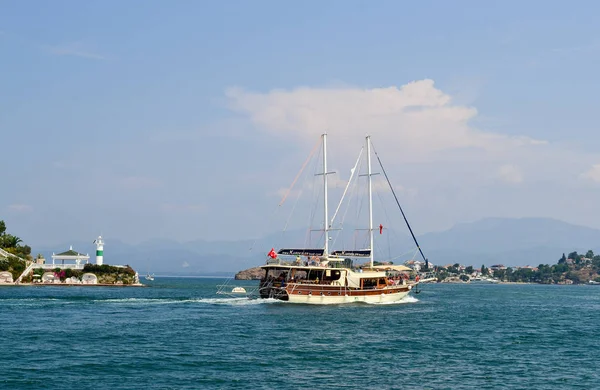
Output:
x=250 y=274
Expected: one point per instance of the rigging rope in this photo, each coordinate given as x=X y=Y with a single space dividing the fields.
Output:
x=288 y=193
x=402 y=254
x=346 y=189
x=299 y=173
x=287 y=222
x=387 y=221
x=398 y=202
x=313 y=212
x=354 y=191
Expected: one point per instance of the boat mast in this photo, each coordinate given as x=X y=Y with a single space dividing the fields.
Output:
x=369 y=174
x=325 y=211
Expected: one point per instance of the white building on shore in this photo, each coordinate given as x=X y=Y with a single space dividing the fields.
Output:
x=69 y=259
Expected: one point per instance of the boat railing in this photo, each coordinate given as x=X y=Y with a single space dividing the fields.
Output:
x=279 y=262
x=321 y=289
x=50 y=266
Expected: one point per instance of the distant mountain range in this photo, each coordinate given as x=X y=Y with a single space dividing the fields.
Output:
x=523 y=241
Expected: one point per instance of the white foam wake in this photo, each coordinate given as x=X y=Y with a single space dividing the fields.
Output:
x=242 y=301
x=238 y=301
x=406 y=299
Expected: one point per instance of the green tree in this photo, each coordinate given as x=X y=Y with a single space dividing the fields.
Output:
x=4 y=264
x=509 y=275
x=2 y=227
x=442 y=274
x=590 y=254
x=25 y=249
x=573 y=256
x=500 y=274
x=563 y=259
x=572 y=276
x=560 y=268
x=596 y=262
x=469 y=270
x=544 y=273
x=10 y=241
x=484 y=270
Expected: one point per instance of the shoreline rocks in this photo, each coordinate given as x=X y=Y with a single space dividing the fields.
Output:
x=255 y=273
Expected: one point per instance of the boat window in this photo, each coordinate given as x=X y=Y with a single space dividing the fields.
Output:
x=299 y=275
x=369 y=283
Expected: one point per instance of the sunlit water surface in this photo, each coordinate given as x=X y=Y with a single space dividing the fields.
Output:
x=178 y=333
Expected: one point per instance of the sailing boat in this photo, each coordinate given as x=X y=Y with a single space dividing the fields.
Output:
x=330 y=278
x=149 y=277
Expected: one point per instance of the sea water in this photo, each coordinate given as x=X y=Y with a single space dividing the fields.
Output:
x=179 y=334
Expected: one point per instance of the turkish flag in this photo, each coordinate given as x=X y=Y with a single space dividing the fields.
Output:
x=272 y=253
x=380 y=228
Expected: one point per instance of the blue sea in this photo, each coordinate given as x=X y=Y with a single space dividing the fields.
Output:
x=177 y=333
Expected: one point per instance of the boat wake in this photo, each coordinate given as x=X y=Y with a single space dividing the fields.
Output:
x=148 y=301
x=236 y=301
x=229 y=301
x=407 y=299
x=241 y=301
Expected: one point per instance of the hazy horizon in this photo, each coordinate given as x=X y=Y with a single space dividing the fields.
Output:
x=406 y=234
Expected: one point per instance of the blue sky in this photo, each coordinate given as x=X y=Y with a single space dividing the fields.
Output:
x=185 y=119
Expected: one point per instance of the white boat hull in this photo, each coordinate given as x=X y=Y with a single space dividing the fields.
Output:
x=342 y=296
x=325 y=300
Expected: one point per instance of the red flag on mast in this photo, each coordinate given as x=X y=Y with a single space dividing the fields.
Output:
x=272 y=253
x=380 y=228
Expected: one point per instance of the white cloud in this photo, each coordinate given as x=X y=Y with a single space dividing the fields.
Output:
x=334 y=181
x=185 y=264
x=414 y=121
x=592 y=174
x=510 y=174
x=409 y=192
x=443 y=167
x=20 y=208
x=75 y=49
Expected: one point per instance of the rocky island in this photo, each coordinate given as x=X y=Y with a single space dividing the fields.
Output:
x=250 y=274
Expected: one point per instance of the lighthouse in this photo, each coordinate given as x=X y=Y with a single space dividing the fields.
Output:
x=99 y=250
